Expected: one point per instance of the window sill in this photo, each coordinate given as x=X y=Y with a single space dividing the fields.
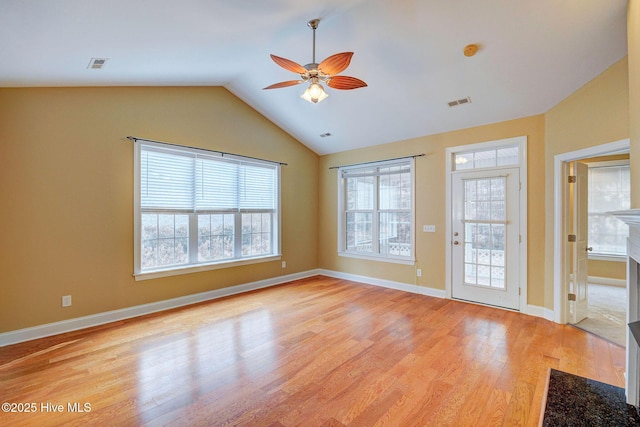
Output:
x=404 y=261
x=605 y=257
x=176 y=271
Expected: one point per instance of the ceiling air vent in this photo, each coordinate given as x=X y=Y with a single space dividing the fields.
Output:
x=466 y=100
x=325 y=135
x=97 y=63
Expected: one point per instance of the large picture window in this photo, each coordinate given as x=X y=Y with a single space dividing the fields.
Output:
x=198 y=209
x=609 y=190
x=376 y=211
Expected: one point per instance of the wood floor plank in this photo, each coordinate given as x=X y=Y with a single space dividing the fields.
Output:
x=315 y=352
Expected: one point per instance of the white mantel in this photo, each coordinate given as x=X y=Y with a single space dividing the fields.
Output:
x=632 y=218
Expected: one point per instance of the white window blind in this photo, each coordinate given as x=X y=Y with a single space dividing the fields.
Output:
x=166 y=180
x=609 y=190
x=187 y=182
x=197 y=208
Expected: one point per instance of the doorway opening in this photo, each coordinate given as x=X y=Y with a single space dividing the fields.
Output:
x=589 y=274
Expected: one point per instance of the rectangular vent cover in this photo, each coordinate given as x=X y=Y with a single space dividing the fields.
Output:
x=462 y=101
x=97 y=63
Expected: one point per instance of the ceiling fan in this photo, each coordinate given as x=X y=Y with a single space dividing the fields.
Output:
x=324 y=72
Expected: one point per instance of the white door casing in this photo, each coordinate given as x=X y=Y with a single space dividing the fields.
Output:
x=485 y=236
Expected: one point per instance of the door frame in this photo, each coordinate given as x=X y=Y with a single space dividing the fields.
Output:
x=561 y=195
x=521 y=141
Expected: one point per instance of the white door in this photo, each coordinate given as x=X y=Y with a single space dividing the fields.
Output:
x=486 y=237
x=578 y=286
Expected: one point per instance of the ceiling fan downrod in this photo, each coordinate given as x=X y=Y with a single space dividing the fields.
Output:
x=313 y=24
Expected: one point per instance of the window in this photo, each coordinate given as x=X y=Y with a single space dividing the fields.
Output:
x=608 y=191
x=199 y=209
x=376 y=211
x=495 y=157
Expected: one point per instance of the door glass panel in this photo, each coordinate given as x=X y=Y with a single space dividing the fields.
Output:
x=484 y=232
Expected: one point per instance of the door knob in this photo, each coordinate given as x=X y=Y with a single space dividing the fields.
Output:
x=589 y=249
x=455 y=233
x=455 y=242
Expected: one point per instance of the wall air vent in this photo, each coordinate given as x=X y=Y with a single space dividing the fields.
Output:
x=462 y=101
x=97 y=63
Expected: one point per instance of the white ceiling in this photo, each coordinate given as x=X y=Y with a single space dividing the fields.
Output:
x=533 y=54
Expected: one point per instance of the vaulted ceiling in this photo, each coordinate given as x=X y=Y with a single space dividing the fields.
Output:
x=532 y=54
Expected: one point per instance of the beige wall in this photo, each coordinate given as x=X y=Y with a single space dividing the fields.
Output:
x=430 y=203
x=597 y=113
x=66 y=182
x=607 y=269
x=633 y=47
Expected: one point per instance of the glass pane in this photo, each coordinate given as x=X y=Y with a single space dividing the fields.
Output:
x=484 y=278
x=470 y=274
x=360 y=193
x=463 y=161
x=359 y=232
x=182 y=226
x=204 y=248
x=608 y=191
x=246 y=223
x=498 y=187
x=484 y=159
x=181 y=250
x=497 y=277
x=204 y=225
x=470 y=187
x=484 y=189
x=166 y=225
x=469 y=253
x=498 y=237
x=498 y=212
x=395 y=234
x=149 y=226
x=256 y=234
x=165 y=240
x=149 y=253
x=213 y=231
x=508 y=156
x=165 y=252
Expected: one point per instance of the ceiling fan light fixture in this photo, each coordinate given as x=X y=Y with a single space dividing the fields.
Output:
x=326 y=71
x=314 y=93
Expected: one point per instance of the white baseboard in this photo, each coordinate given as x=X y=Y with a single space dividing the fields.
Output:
x=41 y=331
x=49 y=329
x=415 y=289
x=537 y=311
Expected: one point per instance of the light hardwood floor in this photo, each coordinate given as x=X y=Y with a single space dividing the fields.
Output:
x=315 y=352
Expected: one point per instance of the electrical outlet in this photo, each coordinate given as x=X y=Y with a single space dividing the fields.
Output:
x=66 y=301
x=284 y=264
x=429 y=228
x=419 y=272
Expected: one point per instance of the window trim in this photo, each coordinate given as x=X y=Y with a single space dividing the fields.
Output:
x=411 y=259
x=175 y=270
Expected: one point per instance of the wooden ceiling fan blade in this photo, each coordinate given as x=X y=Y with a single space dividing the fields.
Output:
x=288 y=64
x=283 y=84
x=335 y=63
x=345 y=83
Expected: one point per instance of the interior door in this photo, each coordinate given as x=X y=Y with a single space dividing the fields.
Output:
x=578 y=286
x=486 y=237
